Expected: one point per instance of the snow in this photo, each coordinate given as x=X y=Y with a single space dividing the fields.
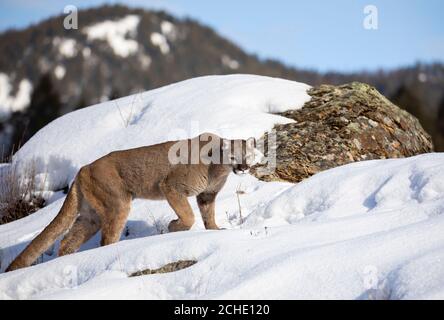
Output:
x=367 y=230
x=145 y=60
x=68 y=48
x=160 y=41
x=230 y=63
x=86 y=52
x=169 y=30
x=19 y=102
x=117 y=33
x=59 y=72
x=414 y=182
x=422 y=77
x=372 y=243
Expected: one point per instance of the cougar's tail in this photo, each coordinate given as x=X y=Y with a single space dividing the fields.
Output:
x=62 y=222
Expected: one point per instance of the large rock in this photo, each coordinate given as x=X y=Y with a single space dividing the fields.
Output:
x=343 y=124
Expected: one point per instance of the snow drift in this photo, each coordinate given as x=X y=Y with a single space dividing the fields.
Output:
x=368 y=230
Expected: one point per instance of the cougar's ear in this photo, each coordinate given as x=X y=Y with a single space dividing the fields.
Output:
x=251 y=142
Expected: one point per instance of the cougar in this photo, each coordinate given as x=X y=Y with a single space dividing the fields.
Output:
x=101 y=193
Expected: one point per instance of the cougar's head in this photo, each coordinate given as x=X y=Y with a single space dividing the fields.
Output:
x=239 y=154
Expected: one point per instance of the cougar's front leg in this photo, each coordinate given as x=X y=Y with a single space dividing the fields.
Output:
x=181 y=207
x=206 y=202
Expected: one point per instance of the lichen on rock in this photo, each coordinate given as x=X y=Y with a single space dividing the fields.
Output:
x=170 y=267
x=339 y=125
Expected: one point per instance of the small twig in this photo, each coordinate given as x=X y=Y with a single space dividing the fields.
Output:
x=127 y=120
x=120 y=112
x=228 y=218
x=238 y=193
x=118 y=259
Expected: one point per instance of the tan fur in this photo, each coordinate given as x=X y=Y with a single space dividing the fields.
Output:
x=100 y=197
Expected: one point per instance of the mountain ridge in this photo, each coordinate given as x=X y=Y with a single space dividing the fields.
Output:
x=118 y=50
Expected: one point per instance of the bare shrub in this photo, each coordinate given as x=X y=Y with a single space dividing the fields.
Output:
x=157 y=223
x=20 y=194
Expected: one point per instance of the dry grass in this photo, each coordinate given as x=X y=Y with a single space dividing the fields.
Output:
x=238 y=219
x=127 y=118
x=20 y=194
x=157 y=223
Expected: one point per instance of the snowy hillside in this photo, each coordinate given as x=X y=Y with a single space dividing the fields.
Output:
x=369 y=230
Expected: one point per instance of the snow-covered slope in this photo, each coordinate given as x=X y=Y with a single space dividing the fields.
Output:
x=369 y=230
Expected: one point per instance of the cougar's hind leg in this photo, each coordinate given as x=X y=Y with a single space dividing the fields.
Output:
x=111 y=203
x=86 y=226
x=115 y=220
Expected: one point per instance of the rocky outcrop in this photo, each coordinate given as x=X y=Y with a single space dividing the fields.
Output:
x=170 y=267
x=343 y=124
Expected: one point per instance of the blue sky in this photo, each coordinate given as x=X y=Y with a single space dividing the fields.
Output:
x=318 y=34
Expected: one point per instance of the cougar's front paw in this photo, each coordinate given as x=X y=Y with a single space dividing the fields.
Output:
x=212 y=227
x=177 y=225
